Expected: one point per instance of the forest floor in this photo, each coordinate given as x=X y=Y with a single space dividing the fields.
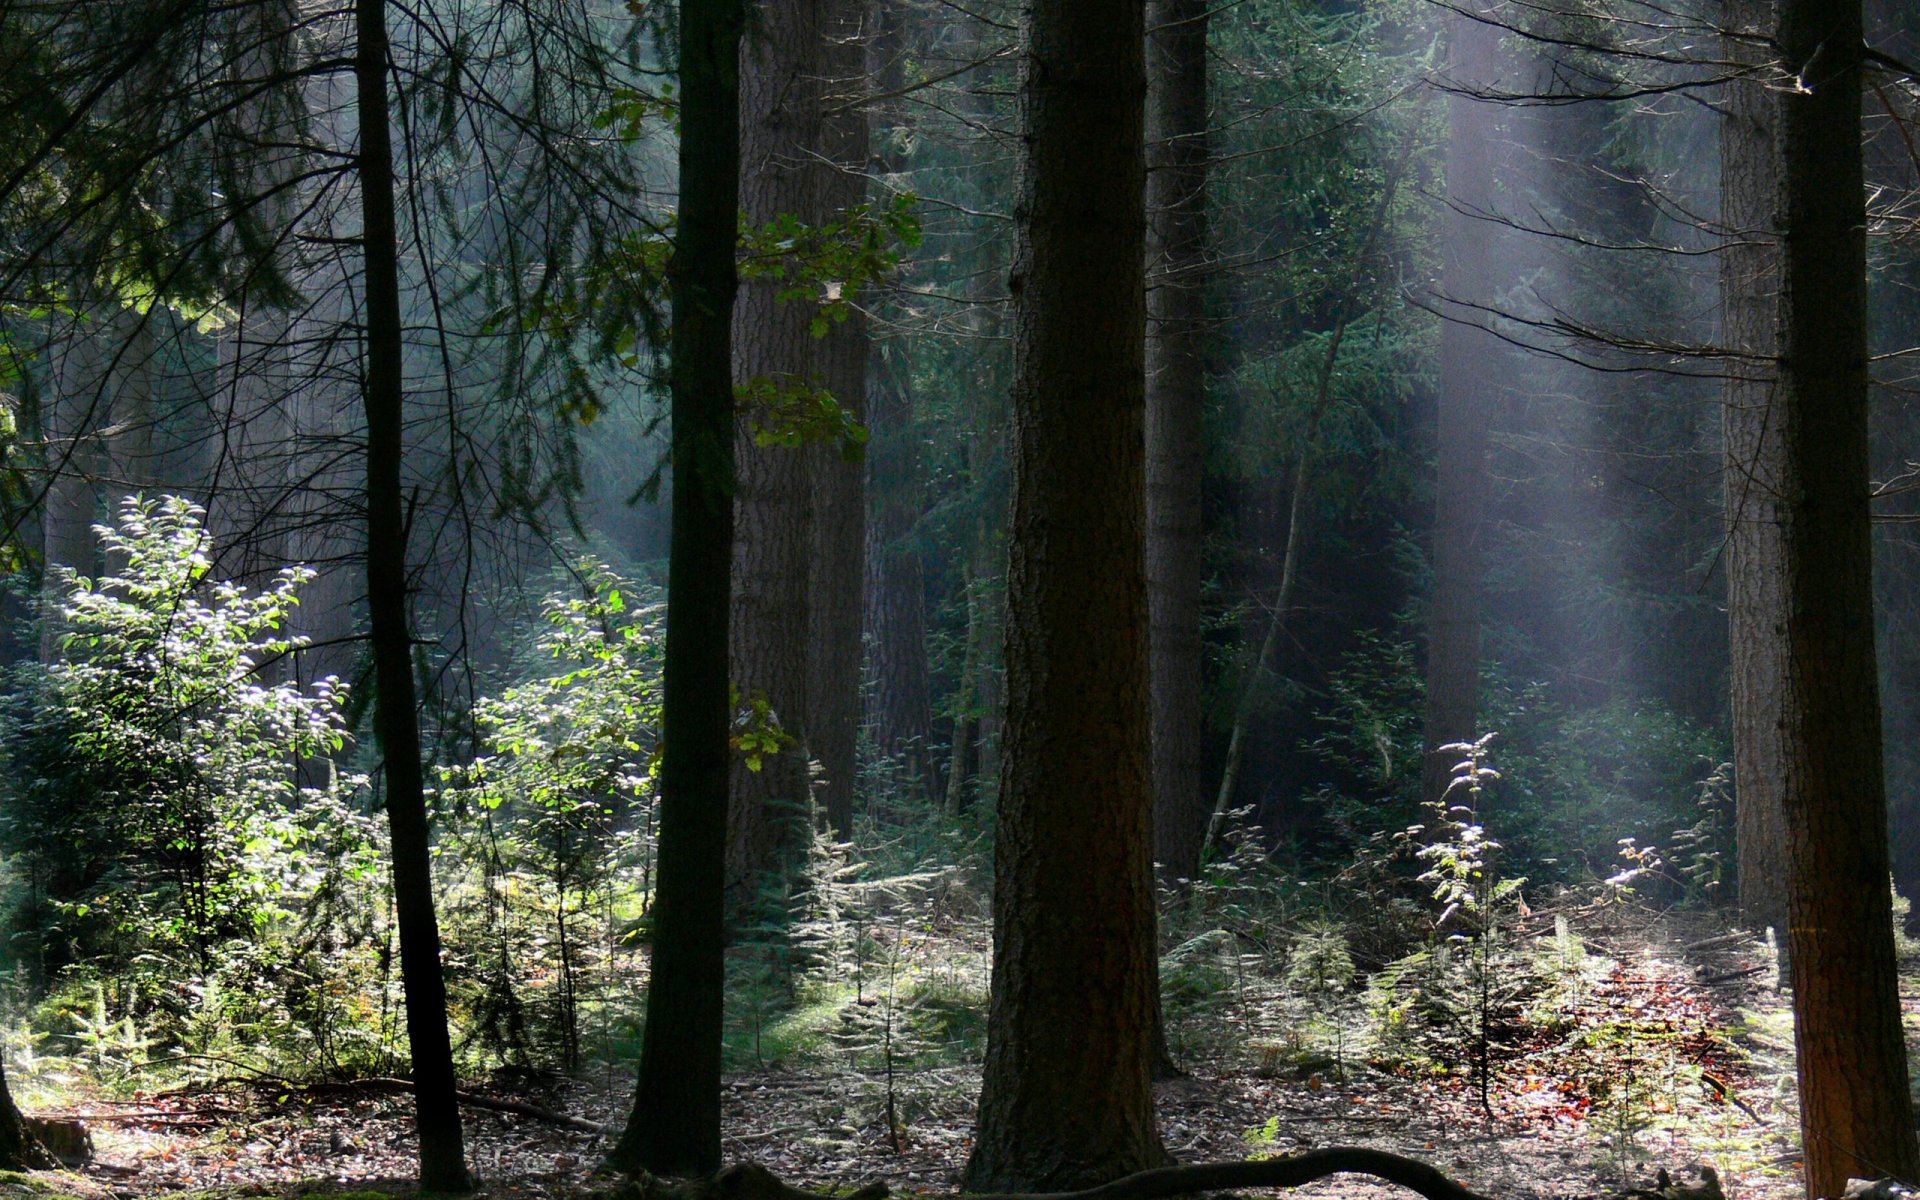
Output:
x=1672 y=1048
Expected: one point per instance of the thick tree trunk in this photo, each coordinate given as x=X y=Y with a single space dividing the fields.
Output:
x=1755 y=558
x=19 y=1149
x=773 y=538
x=1177 y=150
x=1467 y=353
x=1065 y=1099
x=675 y=1126
x=1856 y=1115
x=437 y=1114
x=839 y=520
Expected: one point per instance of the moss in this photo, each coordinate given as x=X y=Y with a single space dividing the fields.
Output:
x=43 y=1185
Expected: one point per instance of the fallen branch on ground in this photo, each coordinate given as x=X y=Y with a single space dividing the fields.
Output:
x=750 y=1181
x=476 y=1100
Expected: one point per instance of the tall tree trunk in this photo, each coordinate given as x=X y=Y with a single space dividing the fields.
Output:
x=1065 y=1099
x=1177 y=149
x=901 y=707
x=70 y=421
x=773 y=538
x=1749 y=285
x=1467 y=352
x=437 y=1114
x=675 y=1126
x=901 y=711
x=1856 y=1115
x=839 y=526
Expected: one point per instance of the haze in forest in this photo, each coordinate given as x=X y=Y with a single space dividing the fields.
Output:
x=868 y=582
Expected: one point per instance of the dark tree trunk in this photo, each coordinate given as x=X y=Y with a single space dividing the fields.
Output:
x=1856 y=1115
x=1065 y=1099
x=1176 y=396
x=901 y=707
x=1749 y=285
x=839 y=522
x=442 y=1157
x=19 y=1149
x=675 y=1126
x=1467 y=354
x=773 y=538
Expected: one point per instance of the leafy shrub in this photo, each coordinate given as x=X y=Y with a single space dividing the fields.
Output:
x=155 y=809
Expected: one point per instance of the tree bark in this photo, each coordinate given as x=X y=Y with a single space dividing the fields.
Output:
x=901 y=712
x=1856 y=1115
x=1755 y=556
x=20 y=1150
x=1467 y=353
x=675 y=1126
x=773 y=539
x=1177 y=149
x=839 y=526
x=1065 y=1098
x=437 y=1112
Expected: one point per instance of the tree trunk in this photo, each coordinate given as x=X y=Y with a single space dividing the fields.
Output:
x=1749 y=285
x=19 y=1149
x=1177 y=148
x=839 y=524
x=1856 y=1116
x=70 y=422
x=437 y=1113
x=675 y=1126
x=773 y=539
x=901 y=710
x=1467 y=353
x=1065 y=1098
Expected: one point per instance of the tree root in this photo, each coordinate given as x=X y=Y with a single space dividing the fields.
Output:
x=750 y=1181
x=1290 y=1171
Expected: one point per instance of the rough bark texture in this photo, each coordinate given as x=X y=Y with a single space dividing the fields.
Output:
x=1467 y=353
x=839 y=519
x=437 y=1113
x=1176 y=396
x=773 y=537
x=1856 y=1115
x=675 y=1126
x=1065 y=1098
x=1749 y=284
x=19 y=1149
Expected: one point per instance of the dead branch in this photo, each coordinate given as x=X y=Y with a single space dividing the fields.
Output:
x=750 y=1181
x=1290 y=1171
x=475 y=1100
